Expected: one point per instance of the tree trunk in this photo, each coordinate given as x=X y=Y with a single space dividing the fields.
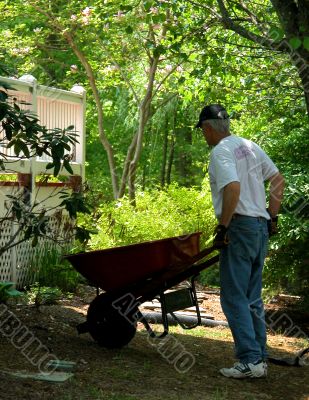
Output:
x=107 y=146
x=183 y=157
x=126 y=166
x=164 y=153
x=68 y=36
x=170 y=159
x=303 y=72
x=144 y=114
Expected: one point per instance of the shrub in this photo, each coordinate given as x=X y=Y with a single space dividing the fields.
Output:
x=43 y=295
x=158 y=214
x=49 y=269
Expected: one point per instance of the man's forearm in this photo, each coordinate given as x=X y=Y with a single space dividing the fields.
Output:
x=230 y=200
x=276 y=194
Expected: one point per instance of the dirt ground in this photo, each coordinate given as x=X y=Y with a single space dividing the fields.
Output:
x=140 y=371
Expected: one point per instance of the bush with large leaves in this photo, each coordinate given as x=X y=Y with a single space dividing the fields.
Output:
x=22 y=132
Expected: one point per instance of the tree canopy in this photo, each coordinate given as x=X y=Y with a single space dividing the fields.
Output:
x=149 y=66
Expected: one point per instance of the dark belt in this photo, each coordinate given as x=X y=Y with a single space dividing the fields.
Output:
x=236 y=216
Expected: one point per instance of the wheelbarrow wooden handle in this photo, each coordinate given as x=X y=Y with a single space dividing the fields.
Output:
x=202 y=254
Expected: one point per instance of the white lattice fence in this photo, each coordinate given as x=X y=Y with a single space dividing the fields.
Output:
x=5 y=260
x=15 y=263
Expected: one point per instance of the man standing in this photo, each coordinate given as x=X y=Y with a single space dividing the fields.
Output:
x=238 y=169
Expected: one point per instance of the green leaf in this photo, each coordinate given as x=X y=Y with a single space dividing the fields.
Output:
x=28 y=232
x=3 y=110
x=24 y=149
x=147 y=5
x=3 y=95
x=176 y=46
x=67 y=146
x=124 y=7
x=129 y=30
x=5 y=285
x=57 y=168
x=6 y=291
x=6 y=86
x=10 y=144
x=67 y=166
x=13 y=293
x=16 y=107
x=295 y=42
x=159 y=50
x=8 y=131
x=306 y=43
x=276 y=33
x=17 y=148
x=157 y=19
x=50 y=165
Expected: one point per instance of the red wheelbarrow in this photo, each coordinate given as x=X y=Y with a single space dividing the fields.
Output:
x=131 y=275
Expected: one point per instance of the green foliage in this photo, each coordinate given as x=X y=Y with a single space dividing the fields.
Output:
x=43 y=295
x=74 y=203
x=285 y=139
x=49 y=269
x=261 y=90
x=7 y=292
x=210 y=277
x=286 y=268
x=158 y=214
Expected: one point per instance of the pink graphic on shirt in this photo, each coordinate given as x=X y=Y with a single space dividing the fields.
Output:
x=242 y=152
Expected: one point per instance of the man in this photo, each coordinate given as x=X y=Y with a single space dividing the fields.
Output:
x=238 y=169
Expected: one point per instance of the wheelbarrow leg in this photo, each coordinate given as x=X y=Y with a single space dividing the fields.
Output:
x=151 y=333
x=192 y=290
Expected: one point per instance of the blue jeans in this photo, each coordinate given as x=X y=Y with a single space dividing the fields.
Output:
x=241 y=265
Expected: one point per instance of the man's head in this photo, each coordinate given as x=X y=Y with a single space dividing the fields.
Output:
x=215 y=123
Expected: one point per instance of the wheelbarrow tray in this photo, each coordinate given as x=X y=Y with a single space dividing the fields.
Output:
x=119 y=267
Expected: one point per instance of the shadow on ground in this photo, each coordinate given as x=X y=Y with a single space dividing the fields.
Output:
x=142 y=370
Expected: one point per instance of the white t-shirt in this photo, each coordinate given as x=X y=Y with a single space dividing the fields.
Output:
x=238 y=159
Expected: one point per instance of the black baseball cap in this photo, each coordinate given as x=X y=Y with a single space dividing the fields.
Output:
x=213 y=111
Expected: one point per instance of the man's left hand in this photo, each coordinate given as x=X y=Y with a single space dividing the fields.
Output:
x=221 y=238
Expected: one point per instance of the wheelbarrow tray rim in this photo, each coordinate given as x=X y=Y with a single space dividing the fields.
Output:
x=118 y=267
x=131 y=245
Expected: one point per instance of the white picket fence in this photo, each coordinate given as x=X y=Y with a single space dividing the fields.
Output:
x=55 y=108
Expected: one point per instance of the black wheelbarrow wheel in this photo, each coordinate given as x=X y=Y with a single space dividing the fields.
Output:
x=108 y=327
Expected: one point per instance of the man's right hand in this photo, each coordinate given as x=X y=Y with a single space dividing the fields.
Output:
x=272 y=225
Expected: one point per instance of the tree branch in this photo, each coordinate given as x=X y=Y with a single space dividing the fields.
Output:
x=264 y=41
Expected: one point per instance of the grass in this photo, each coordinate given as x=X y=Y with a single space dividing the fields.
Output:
x=220 y=394
x=219 y=333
